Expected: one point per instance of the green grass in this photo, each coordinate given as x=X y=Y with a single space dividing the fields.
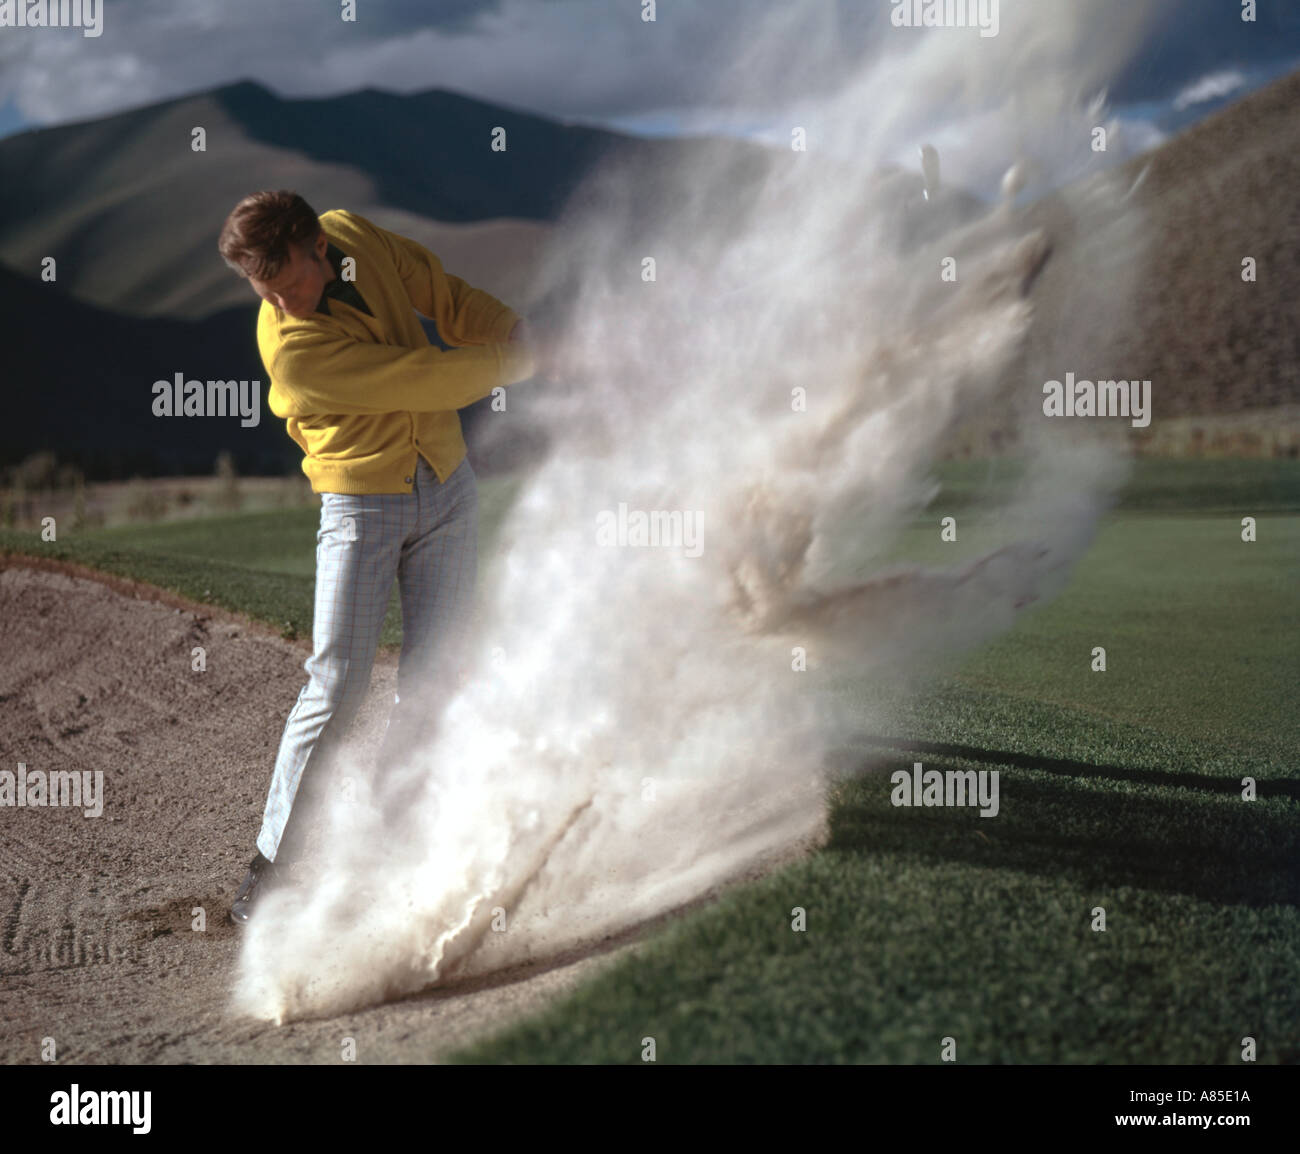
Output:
x=1250 y=486
x=928 y=924
x=260 y=564
x=1119 y=789
x=1199 y=628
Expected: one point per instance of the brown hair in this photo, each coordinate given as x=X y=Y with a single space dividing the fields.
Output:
x=257 y=235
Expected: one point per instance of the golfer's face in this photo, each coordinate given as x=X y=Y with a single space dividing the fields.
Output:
x=298 y=287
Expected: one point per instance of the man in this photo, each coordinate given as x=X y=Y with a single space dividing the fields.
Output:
x=374 y=408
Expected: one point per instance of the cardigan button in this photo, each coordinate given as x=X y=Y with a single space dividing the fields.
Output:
x=408 y=480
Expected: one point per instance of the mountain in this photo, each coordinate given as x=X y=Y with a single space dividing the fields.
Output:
x=80 y=385
x=132 y=217
x=1210 y=342
x=132 y=214
x=79 y=382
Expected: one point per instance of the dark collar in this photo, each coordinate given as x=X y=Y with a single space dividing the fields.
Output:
x=339 y=289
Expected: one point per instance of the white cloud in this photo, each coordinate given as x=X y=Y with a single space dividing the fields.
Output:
x=567 y=59
x=1210 y=87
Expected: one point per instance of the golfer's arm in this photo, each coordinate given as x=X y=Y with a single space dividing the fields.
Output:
x=316 y=374
x=465 y=315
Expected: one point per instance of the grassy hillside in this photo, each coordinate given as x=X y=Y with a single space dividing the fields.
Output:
x=1182 y=315
x=132 y=213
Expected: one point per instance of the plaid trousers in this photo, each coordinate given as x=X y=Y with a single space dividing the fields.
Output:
x=428 y=540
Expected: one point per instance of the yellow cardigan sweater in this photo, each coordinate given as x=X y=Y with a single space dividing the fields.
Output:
x=366 y=395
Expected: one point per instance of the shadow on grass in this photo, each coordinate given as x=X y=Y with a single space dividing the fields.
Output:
x=1284 y=787
x=1208 y=847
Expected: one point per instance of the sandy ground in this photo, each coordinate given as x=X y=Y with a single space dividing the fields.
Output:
x=98 y=949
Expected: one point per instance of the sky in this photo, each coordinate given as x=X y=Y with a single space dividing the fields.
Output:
x=581 y=61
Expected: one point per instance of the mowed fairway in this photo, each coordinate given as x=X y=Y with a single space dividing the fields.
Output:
x=261 y=564
x=1119 y=790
